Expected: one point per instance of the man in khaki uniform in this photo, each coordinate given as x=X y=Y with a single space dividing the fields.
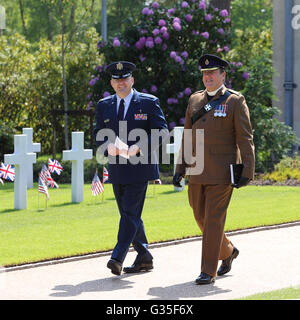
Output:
x=228 y=140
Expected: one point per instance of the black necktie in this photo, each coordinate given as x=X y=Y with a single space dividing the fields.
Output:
x=121 y=110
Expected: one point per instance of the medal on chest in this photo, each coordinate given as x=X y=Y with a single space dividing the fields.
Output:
x=221 y=110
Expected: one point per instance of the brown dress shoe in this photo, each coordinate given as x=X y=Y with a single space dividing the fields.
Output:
x=226 y=264
x=115 y=266
x=138 y=267
x=205 y=278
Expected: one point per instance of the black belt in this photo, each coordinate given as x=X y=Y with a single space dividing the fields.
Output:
x=210 y=106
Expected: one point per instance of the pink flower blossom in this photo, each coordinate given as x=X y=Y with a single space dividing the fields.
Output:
x=173 y=54
x=142 y=57
x=187 y=91
x=205 y=35
x=106 y=94
x=202 y=5
x=221 y=31
x=155 y=5
x=166 y=36
x=158 y=40
x=188 y=17
x=176 y=20
x=163 y=29
x=227 y=20
x=171 y=11
x=184 y=54
x=224 y=13
x=116 y=42
x=161 y=22
x=208 y=17
x=153 y=88
x=184 y=4
x=226 y=48
x=155 y=32
x=176 y=26
x=246 y=75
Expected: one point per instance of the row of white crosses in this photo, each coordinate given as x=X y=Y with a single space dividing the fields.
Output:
x=24 y=157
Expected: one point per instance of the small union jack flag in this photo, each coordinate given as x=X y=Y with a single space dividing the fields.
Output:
x=97 y=186
x=54 y=166
x=7 y=172
x=105 y=174
x=43 y=188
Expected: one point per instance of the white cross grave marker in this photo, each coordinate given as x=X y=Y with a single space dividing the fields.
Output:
x=77 y=155
x=175 y=148
x=31 y=147
x=21 y=158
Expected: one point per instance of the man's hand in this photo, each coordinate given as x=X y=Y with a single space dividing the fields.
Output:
x=112 y=150
x=242 y=182
x=133 y=150
x=176 y=179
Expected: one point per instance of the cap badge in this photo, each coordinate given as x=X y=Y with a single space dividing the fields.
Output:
x=206 y=62
x=120 y=66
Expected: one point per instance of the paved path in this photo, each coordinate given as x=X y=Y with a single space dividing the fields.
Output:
x=268 y=260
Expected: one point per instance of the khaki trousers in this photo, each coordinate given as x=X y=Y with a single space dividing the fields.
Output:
x=209 y=203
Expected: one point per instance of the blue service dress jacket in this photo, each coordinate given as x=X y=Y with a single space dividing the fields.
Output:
x=145 y=113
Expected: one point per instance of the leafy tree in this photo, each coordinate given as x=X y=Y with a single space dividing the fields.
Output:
x=166 y=44
x=31 y=85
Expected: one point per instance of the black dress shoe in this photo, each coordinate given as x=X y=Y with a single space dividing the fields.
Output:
x=138 y=267
x=226 y=264
x=205 y=278
x=115 y=266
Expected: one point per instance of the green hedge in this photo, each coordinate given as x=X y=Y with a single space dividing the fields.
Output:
x=90 y=167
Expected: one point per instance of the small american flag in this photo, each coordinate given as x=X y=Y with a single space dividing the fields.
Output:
x=54 y=166
x=46 y=177
x=97 y=186
x=105 y=174
x=43 y=188
x=7 y=172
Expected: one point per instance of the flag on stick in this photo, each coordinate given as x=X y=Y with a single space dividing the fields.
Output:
x=46 y=176
x=1 y=181
x=54 y=166
x=7 y=172
x=105 y=174
x=97 y=186
x=43 y=188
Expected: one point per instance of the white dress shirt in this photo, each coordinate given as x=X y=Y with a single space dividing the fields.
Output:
x=126 y=102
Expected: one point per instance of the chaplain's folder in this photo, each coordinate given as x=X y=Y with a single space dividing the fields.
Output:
x=236 y=172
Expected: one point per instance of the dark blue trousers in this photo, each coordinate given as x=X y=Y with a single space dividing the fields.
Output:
x=130 y=199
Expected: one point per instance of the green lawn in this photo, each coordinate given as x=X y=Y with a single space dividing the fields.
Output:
x=65 y=229
x=282 y=294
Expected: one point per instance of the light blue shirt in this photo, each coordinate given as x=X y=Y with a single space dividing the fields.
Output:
x=126 y=102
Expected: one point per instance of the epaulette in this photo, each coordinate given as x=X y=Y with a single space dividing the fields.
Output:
x=234 y=92
x=148 y=95
x=199 y=91
x=104 y=99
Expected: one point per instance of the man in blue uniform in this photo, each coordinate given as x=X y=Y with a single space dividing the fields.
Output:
x=123 y=112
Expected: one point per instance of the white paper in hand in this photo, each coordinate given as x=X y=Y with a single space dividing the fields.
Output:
x=122 y=146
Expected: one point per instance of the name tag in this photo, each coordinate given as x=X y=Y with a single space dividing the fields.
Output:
x=140 y=116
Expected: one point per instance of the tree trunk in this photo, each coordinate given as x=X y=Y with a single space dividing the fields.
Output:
x=50 y=23
x=22 y=16
x=221 y=4
x=64 y=76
